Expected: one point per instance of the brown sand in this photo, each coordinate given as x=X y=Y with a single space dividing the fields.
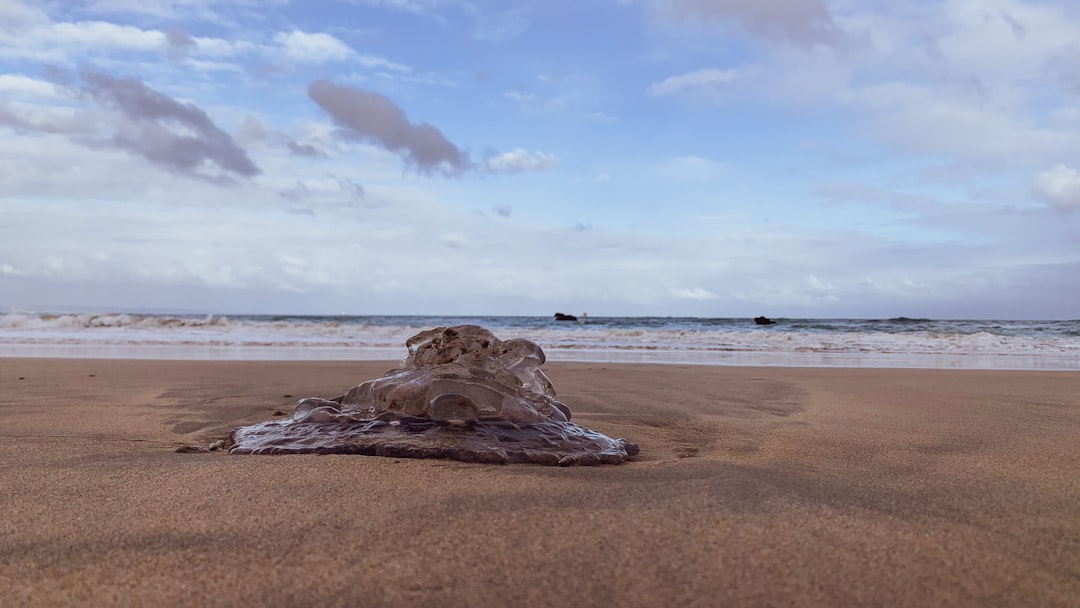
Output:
x=755 y=486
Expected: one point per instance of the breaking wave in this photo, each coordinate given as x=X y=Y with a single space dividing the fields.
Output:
x=654 y=339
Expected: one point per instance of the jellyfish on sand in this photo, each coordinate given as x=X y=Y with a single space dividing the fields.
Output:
x=460 y=393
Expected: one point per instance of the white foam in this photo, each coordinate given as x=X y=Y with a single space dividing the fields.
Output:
x=217 y=337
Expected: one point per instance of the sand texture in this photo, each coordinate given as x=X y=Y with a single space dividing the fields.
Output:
x=754 y=487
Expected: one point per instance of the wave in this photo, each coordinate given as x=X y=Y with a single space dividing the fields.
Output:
x=107 y=320
x=671 y=335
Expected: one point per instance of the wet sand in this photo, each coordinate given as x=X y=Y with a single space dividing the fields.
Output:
x=755 y=486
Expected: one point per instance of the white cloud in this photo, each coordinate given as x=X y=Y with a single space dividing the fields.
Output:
x=970 y=80
x=201 y=66
x=101 y=34
x=17 y=85
x=708 y=82
x=522 y=98
x=412 y=6
x=303 y=47
x=454 y=240
x=14 y=13
x=210 y=10
x=158 y=8
x=600 y=117
x=220 y=48
x=955 y=120
x=693 y=293
x=520 y=160
x=815 y=284
x=1060 y=186
x=531 y=102
x=964 y=80
x=67 y=42
x=805 y=23
x=1003 y=38
x=500 y=25
x=375 y=62
x=689 y=168
x=59 y=42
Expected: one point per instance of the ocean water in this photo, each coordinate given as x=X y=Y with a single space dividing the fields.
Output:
x=897 y=342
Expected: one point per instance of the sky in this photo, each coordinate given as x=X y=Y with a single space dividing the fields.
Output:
x=711 y=158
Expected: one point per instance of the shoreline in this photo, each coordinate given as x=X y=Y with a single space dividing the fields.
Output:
x=880 y=343
x=721 y=358
x=754 y=486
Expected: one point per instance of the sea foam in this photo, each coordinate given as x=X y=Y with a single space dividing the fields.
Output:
x=897 y=342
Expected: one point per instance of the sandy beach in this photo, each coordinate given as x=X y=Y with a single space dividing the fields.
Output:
x=754 y=487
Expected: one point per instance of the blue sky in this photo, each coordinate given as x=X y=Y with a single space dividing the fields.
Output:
x=638 y=157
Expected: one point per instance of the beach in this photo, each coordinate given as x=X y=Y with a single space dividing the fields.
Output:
x=762 y=486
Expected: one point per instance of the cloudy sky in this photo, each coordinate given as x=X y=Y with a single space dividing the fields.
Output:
x=833 y=158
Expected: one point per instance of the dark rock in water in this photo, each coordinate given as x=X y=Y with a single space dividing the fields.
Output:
x=561 y=317
x=461 y=393
x=764 y=321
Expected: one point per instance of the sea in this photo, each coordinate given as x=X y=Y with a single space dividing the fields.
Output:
x=895 y=342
